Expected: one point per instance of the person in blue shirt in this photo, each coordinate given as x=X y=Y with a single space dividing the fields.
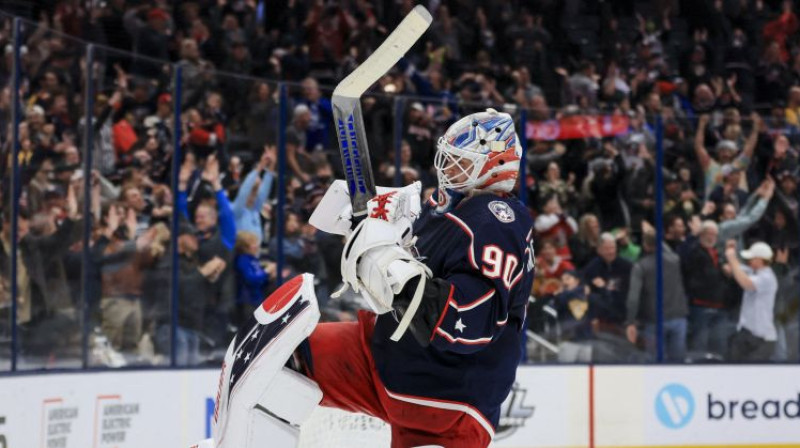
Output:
x=252 y=279
x=210 y=221
x=215 y=229
x=253 y=194
x=318 y=131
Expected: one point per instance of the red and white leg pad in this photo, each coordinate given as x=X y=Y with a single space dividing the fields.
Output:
x=259 y=401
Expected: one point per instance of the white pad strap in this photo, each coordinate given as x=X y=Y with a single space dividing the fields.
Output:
x=275 y=420
x=291 y=396
x=405 y=322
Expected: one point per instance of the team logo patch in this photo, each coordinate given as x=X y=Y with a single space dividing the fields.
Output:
x=502 y=211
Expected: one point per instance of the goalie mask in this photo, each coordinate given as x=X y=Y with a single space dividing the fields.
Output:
x=479 y=152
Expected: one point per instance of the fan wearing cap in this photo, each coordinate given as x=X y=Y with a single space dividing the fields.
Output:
x=161 y=120
x=726 y=152
x=756 y=335
x=729 y=191
x=678 y=199
x=150 y=36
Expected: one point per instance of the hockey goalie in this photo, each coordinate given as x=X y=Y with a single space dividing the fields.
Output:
x=447 y=282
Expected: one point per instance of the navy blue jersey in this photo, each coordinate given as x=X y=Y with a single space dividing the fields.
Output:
x=484 y=250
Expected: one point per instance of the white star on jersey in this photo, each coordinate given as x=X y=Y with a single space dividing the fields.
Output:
x=460 y=325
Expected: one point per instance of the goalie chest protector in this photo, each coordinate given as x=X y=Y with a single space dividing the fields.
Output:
x=483 y=248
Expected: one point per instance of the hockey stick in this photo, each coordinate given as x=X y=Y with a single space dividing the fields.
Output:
x=346 y=102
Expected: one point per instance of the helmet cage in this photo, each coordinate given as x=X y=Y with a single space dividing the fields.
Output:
x=456 y=168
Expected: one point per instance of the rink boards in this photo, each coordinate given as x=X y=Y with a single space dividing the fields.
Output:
x=551 y=406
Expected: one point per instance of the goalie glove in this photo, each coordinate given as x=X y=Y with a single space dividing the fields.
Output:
x=376 y=262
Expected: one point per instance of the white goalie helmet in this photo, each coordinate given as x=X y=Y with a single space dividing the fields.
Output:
x=479 y=152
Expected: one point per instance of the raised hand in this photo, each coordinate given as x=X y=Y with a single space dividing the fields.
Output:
x=212 y=269
x=122 y=77
x=758 y=122
x=269 y=157
x=695 y=225
x=187 y=168
x=72 y=202
x=211 y=172
x=782 y=256
x=271 y=269
x=631 y=333
x=112 y=221
x=766 y=189
x=730 y=249
x=708 y=208
x=131 y=223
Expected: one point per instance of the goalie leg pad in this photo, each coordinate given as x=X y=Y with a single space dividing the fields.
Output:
x=258 y=397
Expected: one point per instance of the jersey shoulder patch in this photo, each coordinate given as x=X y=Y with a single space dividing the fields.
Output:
x=502 y=211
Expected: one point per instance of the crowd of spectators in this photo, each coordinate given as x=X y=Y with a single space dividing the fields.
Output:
x=721 y=79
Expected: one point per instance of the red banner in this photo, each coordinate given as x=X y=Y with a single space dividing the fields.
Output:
x=577 y=126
